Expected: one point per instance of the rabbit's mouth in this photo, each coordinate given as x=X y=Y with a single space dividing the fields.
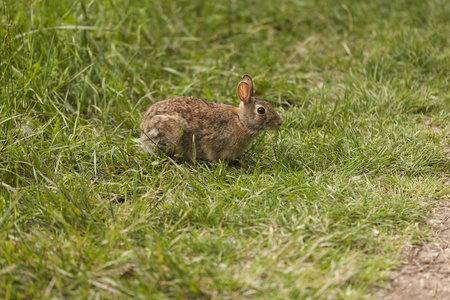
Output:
x=278 y=123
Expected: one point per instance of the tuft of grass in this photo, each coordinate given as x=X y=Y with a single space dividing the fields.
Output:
x=318 y=209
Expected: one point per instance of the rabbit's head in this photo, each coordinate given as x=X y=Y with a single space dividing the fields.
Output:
x=257 y=115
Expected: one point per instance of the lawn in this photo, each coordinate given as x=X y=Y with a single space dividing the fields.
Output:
x=318 y=209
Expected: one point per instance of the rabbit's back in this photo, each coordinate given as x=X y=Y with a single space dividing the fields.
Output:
x=188 y=107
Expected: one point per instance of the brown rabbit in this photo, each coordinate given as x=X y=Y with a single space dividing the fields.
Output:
x=190 y=127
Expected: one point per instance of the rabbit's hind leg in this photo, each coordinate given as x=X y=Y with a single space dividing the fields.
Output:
x=166 y=133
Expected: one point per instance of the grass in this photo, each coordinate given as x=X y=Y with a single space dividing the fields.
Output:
x=319 y=209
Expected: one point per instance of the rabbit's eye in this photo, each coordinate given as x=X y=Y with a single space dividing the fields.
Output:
x=261 y=110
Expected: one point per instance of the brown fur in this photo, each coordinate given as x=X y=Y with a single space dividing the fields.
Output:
x=217 y=132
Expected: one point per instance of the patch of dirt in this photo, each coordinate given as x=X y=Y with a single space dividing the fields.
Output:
x=427 y=273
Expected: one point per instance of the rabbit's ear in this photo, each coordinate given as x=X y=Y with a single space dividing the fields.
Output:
x=245 y=89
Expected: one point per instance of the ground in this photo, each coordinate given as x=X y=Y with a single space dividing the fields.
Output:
x=319 y=209
x=426 y=274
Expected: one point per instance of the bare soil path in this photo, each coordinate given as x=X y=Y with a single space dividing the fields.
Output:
x=427 y=273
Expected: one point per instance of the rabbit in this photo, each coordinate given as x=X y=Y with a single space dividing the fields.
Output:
x=198 y=129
